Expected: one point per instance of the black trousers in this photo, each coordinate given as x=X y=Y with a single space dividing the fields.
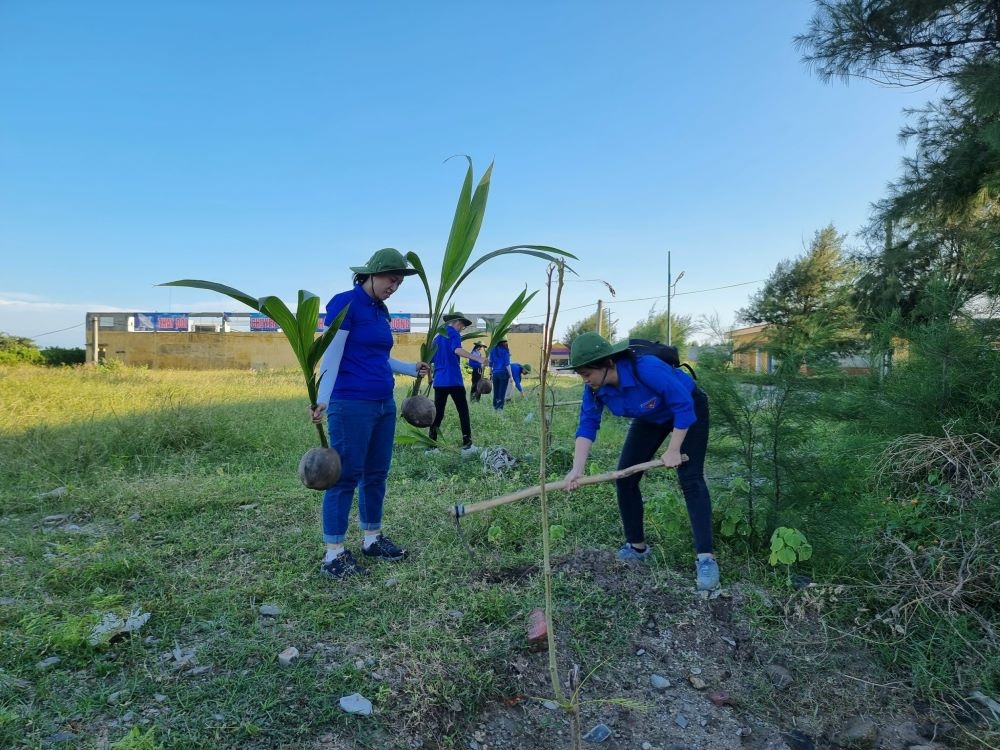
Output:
x=457 y=393
x=642 y=444
x=477 y=375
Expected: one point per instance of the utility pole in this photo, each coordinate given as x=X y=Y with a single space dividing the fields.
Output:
x=95 y=324
x=669 y=295
x=600 y=316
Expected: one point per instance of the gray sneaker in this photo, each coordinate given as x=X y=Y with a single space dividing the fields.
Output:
x=707 y=577
x=628 y=552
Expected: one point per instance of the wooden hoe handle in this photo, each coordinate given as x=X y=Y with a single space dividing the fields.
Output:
x=457 y=511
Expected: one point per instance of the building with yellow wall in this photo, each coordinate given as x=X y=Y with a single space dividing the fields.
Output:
x=750 y=349
x=751 y=353
x=215 y=346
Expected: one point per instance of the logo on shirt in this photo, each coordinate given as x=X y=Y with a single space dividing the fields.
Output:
x=649 y=405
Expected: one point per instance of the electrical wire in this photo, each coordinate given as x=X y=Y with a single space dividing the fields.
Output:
x=49 y=333
x=662 y=296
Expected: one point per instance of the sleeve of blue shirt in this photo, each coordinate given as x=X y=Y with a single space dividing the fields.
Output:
x=590 y=416
x=330 y=365
x=337 y=303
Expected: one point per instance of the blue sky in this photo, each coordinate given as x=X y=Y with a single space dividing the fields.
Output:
x=271 y=145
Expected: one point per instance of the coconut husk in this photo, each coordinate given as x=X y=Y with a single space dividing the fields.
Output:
x=319 y=468
x=418 y=411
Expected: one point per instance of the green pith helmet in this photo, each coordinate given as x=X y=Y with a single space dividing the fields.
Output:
x=457 y=316
x=591 y=347
x=386 y=260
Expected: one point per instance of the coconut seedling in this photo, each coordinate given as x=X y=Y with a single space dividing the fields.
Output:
x=498 y=329
x=455 y=269
x=319 y=468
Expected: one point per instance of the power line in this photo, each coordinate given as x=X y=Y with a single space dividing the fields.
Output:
x=716 y=288
x=662 y=296
x=49 y=333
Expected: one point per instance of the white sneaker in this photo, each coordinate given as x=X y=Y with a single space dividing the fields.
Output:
x=472 y=450
x=431 y=451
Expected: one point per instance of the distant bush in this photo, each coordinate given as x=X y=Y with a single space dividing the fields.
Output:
x=18 y=350
x=57 y=355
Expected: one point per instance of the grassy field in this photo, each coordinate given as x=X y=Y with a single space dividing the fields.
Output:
x=175 y=494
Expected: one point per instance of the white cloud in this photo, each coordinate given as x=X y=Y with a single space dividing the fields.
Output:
x=47 y=322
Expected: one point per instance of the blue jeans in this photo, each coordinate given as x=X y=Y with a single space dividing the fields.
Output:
x=642 y=444
x=362 y=433
x=500 y=381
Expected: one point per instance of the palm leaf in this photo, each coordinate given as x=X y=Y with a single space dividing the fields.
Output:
x=409 y=435
x=299 y=328
x=212 y=286
x=499 y=328
x=457 y=250
x=418 y=264
x=464 y=235
x=551 y=254
x=278 y=311
x=306 y=316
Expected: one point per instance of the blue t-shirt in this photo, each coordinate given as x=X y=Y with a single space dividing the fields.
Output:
x=661 y=394
x=447 y=371
x=364 y=374
x=499 y=359
x=515 y=370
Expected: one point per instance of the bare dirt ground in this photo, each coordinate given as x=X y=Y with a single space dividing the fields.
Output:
x=717 y=683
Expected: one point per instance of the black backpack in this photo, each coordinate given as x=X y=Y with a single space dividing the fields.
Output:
x=666 y=352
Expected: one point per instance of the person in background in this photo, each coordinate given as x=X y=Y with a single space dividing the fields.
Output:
x=356 y=394
x=448 y=378
x=476 y=366
x=500 y=372
x=516 y=368
x=663 y=401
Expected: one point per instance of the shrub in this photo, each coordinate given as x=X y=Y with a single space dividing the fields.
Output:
x=18 y=350
x=57 y=355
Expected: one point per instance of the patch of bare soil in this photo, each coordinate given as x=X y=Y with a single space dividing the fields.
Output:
x=696 y=675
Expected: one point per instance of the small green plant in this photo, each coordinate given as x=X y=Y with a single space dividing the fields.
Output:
x=788 y=546
x=495 y=533
x=136 y=740
x=667 y=514
x=733 y=519
x=734 y=523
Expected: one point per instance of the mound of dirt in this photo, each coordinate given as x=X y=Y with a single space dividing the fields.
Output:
x=696 y=675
